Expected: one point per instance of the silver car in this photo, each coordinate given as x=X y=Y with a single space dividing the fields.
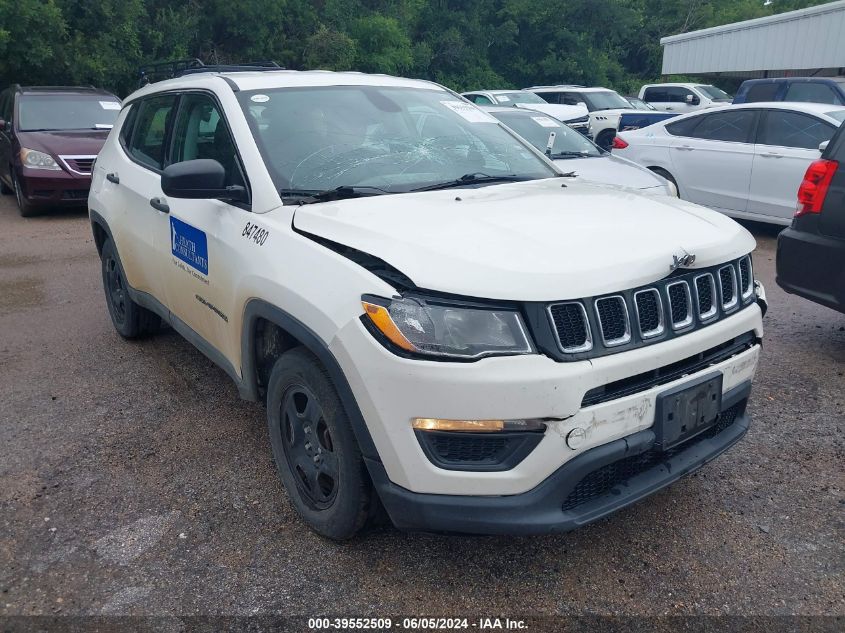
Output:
x=574 y=153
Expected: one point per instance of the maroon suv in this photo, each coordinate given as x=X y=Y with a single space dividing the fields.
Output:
x=49 y=138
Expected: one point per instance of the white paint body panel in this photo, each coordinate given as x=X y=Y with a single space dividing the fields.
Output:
x=533 y=241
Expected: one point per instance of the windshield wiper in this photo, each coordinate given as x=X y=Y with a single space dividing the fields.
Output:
x=472 y=179
x=571 y=155
x=343 y=192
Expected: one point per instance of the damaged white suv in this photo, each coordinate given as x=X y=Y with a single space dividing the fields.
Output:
x=439 y=321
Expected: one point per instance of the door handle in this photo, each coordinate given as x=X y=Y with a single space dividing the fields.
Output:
x=113 y=178
x=160 y=205
x=772 y=155
x=686 y=148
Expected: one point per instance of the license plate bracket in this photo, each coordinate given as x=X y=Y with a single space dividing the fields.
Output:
x=687 y=410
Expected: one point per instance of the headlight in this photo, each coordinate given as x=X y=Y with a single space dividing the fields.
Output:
x=451 y=331
x=37 y=160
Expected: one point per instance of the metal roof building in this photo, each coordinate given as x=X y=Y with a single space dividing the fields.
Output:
x=805 y=42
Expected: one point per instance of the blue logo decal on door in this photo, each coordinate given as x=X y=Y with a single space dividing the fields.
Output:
x=189 y=244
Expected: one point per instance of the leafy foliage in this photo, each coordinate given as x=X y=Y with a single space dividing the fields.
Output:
x=464 y=44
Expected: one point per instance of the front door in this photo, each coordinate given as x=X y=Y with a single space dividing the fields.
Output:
x=202 y=265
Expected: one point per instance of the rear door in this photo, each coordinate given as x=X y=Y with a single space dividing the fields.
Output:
x=787 y=142
x=712 y=160
x=132 y=180
x=657 y=97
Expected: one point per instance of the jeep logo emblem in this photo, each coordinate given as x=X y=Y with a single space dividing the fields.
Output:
x=684 y=261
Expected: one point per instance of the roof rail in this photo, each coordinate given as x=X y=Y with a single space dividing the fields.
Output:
x=60 y=88
x=159 y=71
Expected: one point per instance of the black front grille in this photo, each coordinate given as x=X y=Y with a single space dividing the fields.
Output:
x=704 y=293
x=82 y=165
x=744 y=275
x=726 y=281
x=678 y=303
x=603 y=480
x=681 y=302
x=648 y=310
x=571 y=325
x=613 y=318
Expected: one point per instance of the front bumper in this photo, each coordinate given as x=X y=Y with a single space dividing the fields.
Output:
x=587 y=488
x=50 y=188
x=812 y=266
x=390 y=391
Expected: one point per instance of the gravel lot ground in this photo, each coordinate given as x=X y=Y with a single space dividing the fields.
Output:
x=134 y=481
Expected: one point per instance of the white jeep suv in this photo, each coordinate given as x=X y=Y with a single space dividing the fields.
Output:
x=439 y=321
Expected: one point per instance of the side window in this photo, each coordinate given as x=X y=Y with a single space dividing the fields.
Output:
x=684 y=127
x=812 y=93
x=201 y=132
x=128 y=125
x=762 y=92
x=676 y=94
x=793 y=129
x=149 y=134
x=726 y=126
x=571 y=98
x=480 y=100
x=657 y=95
x=551 y=97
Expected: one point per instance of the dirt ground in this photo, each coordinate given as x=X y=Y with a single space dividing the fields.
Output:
x=134 y=481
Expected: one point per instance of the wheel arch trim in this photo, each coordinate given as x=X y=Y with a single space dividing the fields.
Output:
x=259 y=309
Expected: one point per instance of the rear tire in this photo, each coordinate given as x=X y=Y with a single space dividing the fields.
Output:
x=129 y=319
x=25 y=208
x=605 y=139
x=316 y=454
x=665 y=174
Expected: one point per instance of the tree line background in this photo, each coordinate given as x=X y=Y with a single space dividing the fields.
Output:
x=464 y=44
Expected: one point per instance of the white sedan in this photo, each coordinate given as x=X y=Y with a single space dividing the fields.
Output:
x=744 y=160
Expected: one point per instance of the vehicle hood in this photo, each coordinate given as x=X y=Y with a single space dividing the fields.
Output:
x=558 y=111
x=530 y=241
x=611 y=170
x=65 y=142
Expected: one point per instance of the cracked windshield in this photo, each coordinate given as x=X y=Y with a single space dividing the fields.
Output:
x=388 y=140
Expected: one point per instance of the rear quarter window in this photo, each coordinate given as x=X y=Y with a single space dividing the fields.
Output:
x=762 y=92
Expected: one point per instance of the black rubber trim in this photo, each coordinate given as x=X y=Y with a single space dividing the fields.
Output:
x=539 y=511
x=669 y=373
x=520 y=444
x=257 y=308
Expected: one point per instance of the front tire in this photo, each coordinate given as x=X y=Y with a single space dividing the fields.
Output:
x=129 y=319
x=316 y=454
x=25 y=208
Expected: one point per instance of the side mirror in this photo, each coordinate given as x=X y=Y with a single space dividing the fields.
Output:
x=199 y=179
x=693 y=100
x=823 y=145
x=3 y=124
